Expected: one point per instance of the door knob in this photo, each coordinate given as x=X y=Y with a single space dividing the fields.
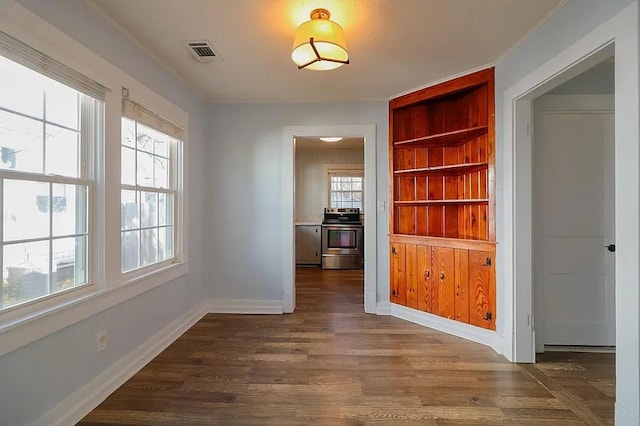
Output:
x=611 y=248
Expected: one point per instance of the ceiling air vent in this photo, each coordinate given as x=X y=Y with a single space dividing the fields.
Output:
x=202 y=50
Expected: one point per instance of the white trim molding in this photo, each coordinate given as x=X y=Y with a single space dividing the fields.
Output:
x=82 y=401
x=454 y=328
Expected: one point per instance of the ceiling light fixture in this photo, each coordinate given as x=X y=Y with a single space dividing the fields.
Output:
x=331 y=139
x=319 y=44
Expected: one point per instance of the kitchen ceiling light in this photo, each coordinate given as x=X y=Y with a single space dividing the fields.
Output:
x=331 y=139
x=319 y=44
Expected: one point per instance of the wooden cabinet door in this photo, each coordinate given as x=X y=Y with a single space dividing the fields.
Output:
x=398 y=275
x=461 y=258
x=482 y=292
x=308 y=244
x=425 y=278
x=444 y=289
x=411 y=274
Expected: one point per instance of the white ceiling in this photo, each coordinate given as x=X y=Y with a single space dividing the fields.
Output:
x=394 y=45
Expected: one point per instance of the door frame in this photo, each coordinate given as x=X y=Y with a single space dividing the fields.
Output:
x=514 y=280
x=368 y=133
x=518 y=243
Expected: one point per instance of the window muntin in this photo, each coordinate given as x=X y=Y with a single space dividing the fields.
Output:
x=346 y=189
x=149 y=164
x=45 y=187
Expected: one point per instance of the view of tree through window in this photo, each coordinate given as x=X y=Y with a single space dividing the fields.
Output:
x=44 y=185
x=148 y=195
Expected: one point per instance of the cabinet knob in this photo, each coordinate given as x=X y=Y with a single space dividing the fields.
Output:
x=442 y=276
x=393 y=250
x=427 y=274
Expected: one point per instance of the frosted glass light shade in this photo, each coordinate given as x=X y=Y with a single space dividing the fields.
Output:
x=319 y=44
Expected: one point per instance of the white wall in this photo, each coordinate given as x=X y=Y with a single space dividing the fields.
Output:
x=37 y=377
x=311 y=178
x=245 y=191
x=565 y=30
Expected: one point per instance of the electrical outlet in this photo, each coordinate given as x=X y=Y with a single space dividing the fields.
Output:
x=101 y=341
x=381 y=206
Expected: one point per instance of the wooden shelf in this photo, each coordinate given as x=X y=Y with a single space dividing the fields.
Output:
x=454 y=138
x=441 y=202
x=455 y=169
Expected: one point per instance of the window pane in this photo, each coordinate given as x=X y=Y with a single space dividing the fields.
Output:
x=62 y=104
x=130 y=250
x=26 y=210
x=69 y=262
x=165 y=243
x=145 y=169
x=148 y=209
x=130 y=210
x=145 y=138
x=165 y=203
x=20 y=143
x=149 y=249
x=21 y=88
x=161 y=166
x=357 y=184
x=128 y=132
x=69 y=209
x=62 y=151
x=128 y=166
x=162 y=144
x=25 y=272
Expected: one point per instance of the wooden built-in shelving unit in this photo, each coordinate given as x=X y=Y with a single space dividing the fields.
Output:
x=442 y=192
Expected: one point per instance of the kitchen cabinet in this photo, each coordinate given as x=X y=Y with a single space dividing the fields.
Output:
x=308 y=244
x=454 y=283
x=442 y=192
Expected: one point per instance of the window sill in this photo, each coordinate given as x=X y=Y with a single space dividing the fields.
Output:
x=26 y=329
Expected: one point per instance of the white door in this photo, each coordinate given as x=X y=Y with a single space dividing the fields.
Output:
x=573 y=208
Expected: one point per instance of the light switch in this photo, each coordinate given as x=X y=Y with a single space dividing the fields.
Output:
x=381 y=206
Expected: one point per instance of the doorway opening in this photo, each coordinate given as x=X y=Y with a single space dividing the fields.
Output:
x=573 y=212
x=329 y=223
x=294 y=202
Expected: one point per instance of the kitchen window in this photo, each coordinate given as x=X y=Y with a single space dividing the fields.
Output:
x=150 y=153
x=50 y=123
x=346 y=188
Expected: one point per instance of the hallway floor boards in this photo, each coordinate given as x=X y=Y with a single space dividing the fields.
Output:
x=331 y=364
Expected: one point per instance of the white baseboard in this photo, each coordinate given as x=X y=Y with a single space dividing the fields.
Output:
x=455 y=328
x=81 y=402
x=383 y=308
x=245 y=306
x=625 y=417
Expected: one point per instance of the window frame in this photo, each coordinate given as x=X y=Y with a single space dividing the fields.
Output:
x=344 y=170
x=91 y=116
x=176 y=179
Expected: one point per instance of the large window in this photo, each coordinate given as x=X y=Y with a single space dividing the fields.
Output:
x=346 y=188
x=149 y=165
x=47 y=131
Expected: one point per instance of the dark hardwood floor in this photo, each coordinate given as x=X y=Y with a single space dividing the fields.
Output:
x=331 y=364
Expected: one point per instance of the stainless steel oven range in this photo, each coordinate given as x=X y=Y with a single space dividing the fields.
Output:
x=342 y=239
